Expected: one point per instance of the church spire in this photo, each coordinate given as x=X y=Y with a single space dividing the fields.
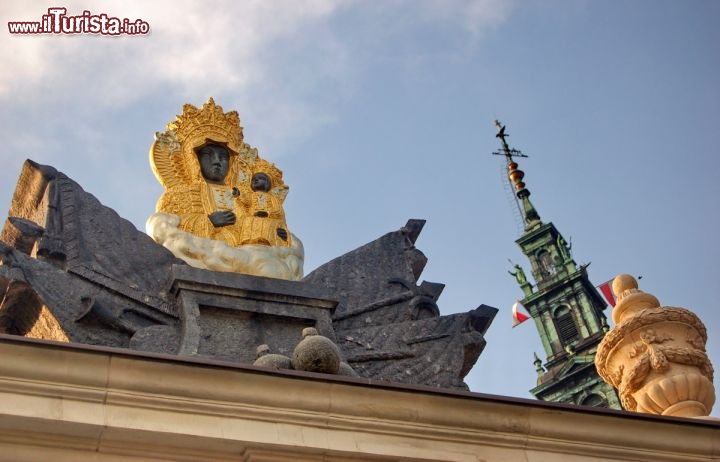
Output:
x=566 y=307
x=530 y=215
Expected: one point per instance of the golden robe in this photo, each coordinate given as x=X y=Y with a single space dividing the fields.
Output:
x=194 y=203
x=263 y=229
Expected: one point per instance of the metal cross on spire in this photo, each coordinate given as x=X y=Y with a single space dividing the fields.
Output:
x=506 y=151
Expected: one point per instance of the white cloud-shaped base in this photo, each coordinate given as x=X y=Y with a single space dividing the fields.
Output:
x=258 y=260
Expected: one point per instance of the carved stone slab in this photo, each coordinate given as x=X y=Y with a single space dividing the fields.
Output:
x=227 y=315
x=390 y=327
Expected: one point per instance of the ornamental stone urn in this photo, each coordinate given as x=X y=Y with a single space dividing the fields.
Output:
x=655 y=356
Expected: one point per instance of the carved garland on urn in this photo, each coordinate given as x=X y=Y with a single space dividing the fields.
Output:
x=655 y=356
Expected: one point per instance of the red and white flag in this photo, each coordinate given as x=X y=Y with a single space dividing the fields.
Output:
x=606 y=290
x=518 y=317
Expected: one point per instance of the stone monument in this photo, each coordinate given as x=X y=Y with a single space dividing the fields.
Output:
x=221 y=277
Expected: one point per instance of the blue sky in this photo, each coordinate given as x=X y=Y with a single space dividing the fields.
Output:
x=381 y=111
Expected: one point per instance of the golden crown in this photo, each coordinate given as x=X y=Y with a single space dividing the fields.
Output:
x=194 y=127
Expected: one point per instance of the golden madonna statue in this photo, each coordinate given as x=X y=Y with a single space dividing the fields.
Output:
x=222 y=208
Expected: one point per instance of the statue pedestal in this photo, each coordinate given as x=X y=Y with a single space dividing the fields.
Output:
x=227 y=315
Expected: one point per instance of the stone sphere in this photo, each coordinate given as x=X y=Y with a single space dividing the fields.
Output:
x=267 y=359
x=262 y=350
x=347 y=370
x=275 y=361
x=316 y=353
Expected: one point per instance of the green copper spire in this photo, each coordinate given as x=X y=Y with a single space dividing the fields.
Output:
x=565 y=305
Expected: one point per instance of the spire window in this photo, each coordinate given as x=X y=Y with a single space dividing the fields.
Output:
x=565 y=324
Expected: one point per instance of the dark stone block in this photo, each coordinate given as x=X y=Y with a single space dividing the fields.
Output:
x=228 y=315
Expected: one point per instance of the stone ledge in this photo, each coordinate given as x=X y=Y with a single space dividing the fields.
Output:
x=162 y=407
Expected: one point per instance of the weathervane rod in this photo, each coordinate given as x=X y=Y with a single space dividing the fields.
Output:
x=515 y=176
x=506 y=150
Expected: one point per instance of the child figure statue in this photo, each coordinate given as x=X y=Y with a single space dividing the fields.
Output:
x=264 y=219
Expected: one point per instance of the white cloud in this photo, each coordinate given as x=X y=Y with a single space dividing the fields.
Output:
x=480 y=14
x=206 y=47
x=237 y=51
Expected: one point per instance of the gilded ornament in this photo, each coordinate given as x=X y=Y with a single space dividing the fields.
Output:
x=646 y=356
x=212 y=196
